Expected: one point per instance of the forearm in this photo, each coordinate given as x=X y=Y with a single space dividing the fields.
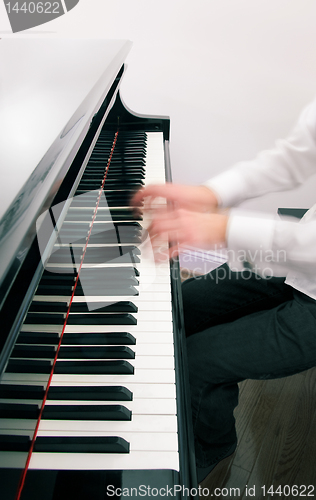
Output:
x=270 y=246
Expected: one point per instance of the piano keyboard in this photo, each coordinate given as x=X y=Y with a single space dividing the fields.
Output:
x=111 y=404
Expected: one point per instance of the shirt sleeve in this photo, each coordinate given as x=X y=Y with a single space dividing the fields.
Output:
x=286 y=166
x=270 y=246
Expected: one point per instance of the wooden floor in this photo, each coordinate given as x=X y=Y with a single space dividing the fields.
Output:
x=276 y=426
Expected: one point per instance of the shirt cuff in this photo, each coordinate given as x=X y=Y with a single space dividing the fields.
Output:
x=249 y=240
x=228 y=187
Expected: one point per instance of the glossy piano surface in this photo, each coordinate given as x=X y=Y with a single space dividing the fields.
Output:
x=50 y=92
x=93 y=391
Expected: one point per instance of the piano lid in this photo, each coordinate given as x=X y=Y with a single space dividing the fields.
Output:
x=50 y=90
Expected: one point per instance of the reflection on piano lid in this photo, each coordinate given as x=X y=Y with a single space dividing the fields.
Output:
x=93 y=392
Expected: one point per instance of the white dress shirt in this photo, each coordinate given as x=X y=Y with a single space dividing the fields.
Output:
x=269 y=245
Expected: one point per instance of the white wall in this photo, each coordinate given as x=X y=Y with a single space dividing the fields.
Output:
x=232 y=74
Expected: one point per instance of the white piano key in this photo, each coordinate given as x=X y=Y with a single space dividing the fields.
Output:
x=164 y=350
x=145 y=459
x=111 y=461
x=139 y=423
x=139 y=441
x=139 y=362
x=137 y=406
x=145 y=326
x=142 y=304
x=140 y=315
x=151 y=297
x=145 y=297
x=144 y=270
x=140 y=349
x=142 y=338
x=150 y=376
x=139 y=390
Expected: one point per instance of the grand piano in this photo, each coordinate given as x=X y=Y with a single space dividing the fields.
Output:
x=93 y=390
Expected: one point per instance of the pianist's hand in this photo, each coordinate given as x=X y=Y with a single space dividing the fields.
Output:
x=199 y=198
x=186 y=227
x=191 y=219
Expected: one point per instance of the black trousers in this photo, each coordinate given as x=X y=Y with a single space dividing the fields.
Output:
x=240 y=326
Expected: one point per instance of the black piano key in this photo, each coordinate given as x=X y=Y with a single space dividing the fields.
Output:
x=118 y=201
x=132 y=237
x=85 y=226
x=93 y=318
x=110 y=251
x=90 y=271
x=110 y=192
x=33 y=351
x=61 y=278
x=134 y=169
x=70 y=228
x=81 y=444
x=135 y=157
x=121 y=167
x=113 y=338
x=44 y=319
x=126 y=237
x=120 y=367
x=123 y=150
x=66 y=255
x=104 y=274
x=125 y=157
x=122 y=144
x=14 y=443
x=38 y=338
x=89 y=393
x=76 y=214
x=119 y=216
x=126 y=182
x=110 y=273
x=104 y=291
x=97 y=281
x=12 y=410
x=106 y=215
x=106 y=254
x=55 y=289
x=52 y=307
x=84 y=201
x=115 y=256
x=115 y=172
x=127 y=151
x=29 y=366
x=14 y=391
x=123 y=307
x=88 y=352
x=97 y=255
x=86 y=412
